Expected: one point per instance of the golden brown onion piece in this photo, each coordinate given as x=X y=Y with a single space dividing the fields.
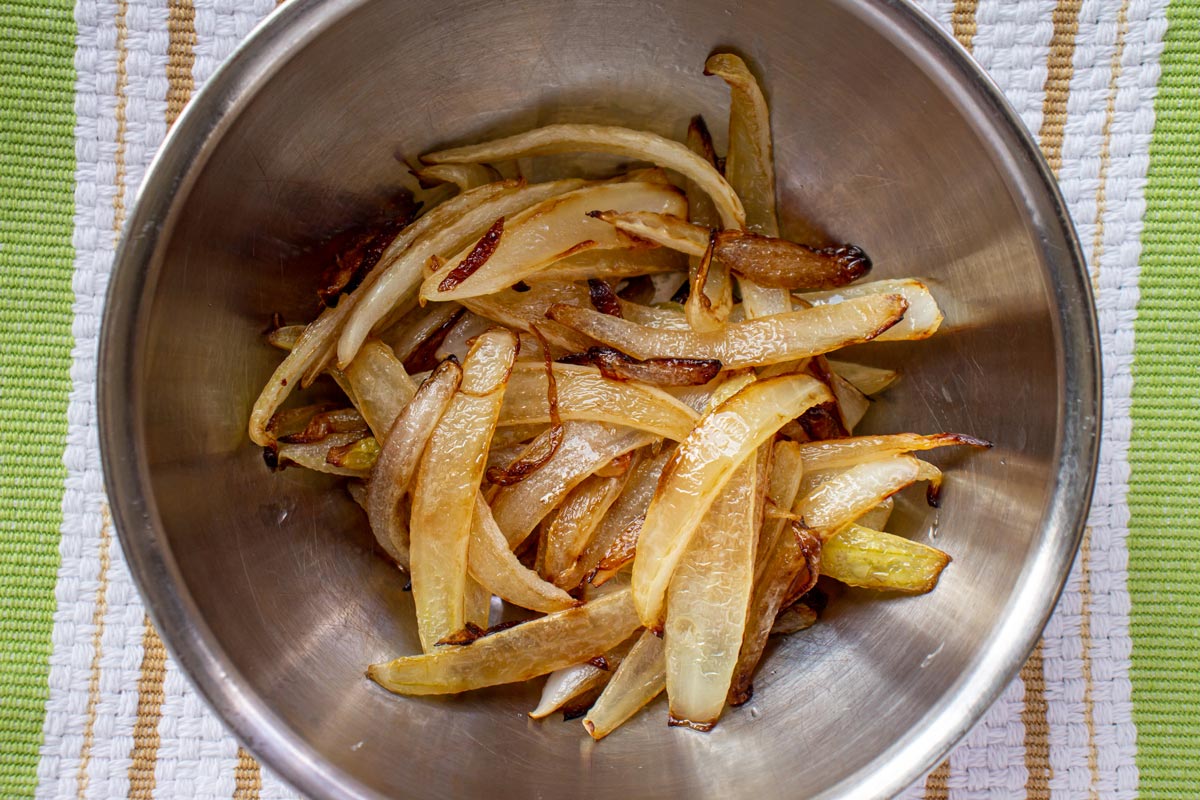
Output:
x=447 y=479
x=783 y=337
x=641 y=145
x=519 y=653
x=701 y=466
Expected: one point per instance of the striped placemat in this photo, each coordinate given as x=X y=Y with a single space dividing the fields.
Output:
x=1107 y=706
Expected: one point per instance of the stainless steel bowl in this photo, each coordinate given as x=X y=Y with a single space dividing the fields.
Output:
x=266 y=588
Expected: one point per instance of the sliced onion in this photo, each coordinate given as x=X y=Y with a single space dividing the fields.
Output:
x=585 y=394
x=518 y=653
x=464 y=176
x=750 y=168
x=314 y=455
x=787 y=470
x=797 y=554
x=446 y=483
x=707 y=603
x=779 y=264
x=549 y=231
x=783 y=337
x=543 y=448
x=401 y=454
x=702 y=465
x=612 y=265
x=871 y=559
x=495 y=567
x=444 y=230
x=849 y=494
x=616 y=536
x=615 y=365
x=577 y=519
x=877 y=518
x=378 y=385
x=586 y=447
x=868 y=380
x=641 y=677
x=797 y=617
x=921 y=320
x=842 y=453
x=624 y=142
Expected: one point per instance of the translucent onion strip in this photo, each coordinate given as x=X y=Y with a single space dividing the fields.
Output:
x=584 y=394
x=518 y=653
x=567 y=138
x=783 y=337
x=641 y=677
x=549 y=231
x=702 y=465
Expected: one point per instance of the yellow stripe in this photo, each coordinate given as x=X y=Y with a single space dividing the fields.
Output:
x=1060 y=68
x=937 y=784
x=1037 y=728
x=98 y=614
x=1110 y=108
x=963 y=22
x=144 y=755
x=247 y=777
x=181 y=55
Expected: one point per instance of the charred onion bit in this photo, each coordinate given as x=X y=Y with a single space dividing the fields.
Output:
x=424 y=357
x=823 y=422
x=778 y=263
x=603 y=298
x=616 y=366
x=476 y=258
x=355 y=252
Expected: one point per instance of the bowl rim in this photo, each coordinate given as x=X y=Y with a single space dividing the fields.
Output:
x=181 y=158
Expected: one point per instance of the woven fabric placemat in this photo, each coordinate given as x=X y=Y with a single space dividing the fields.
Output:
x=92 y=707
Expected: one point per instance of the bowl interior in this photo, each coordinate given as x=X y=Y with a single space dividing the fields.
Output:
x=267 y=585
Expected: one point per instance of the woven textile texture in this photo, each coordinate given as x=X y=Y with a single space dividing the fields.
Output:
x=37 y=166
x=1165 y=495
x=91 y=705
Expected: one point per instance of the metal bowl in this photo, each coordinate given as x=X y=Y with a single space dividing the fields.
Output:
x=266 y=587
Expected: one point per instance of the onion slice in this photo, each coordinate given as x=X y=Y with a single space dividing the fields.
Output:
x=615 y=365
x=641 y=145
x=707 y=603
x=847 y=495
x=586 y=447
x=542 y=234
x=401 y=454
x=515 y=654
x=446 y=483
x=783 y=487
x=495 y=568
x=577 y=519
x=796 y=556
x=701 y=466
x=585 y=394
x=447 y=228
x=868 y=380
x=842 y=453
x=641 y=677
x=783 y=337
x=922 y=319
x=871 y=559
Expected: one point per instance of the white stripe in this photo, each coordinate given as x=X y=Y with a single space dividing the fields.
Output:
x=1117 y=305
x=116 y=712
x=75 y=590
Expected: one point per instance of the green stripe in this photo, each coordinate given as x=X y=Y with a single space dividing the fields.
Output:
x=37 y=176
x=1164 y=492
